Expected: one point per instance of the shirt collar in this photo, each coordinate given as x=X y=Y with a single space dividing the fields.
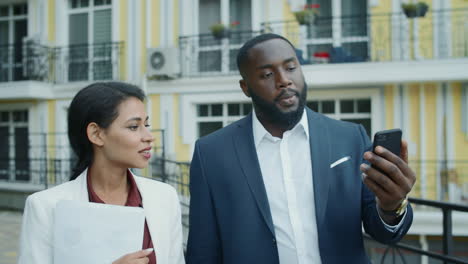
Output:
x=259 y=131
x=133 y=198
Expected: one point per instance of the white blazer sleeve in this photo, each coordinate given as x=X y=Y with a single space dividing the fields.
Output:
x=36 y=234
x=176 y=252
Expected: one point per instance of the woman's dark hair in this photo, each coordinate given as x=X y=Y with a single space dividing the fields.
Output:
x=97 y=103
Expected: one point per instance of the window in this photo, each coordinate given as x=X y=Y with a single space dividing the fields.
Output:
x=13 y=28
x=14 y=139
x=219 y=55
x=90 y=52
x=340 y=30
x=211 y=117
x=352 y=110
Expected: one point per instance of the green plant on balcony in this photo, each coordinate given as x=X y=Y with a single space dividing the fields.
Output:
x=220 y=31
x=422 y=9
x=413 y=10
x=308 y=15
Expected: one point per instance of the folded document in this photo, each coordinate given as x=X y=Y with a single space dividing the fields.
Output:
x=96 y=233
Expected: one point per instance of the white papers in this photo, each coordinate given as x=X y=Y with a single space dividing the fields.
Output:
x=96 y=233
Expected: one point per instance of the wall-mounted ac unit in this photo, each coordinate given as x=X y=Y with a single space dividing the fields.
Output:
x=163 y=62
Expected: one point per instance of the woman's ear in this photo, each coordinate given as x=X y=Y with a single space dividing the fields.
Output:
x=94 y=133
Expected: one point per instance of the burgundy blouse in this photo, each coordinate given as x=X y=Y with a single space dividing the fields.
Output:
x=133 y=199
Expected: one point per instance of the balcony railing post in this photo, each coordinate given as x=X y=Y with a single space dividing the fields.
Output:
x=225 y=55
x=44 y=155
x=447 y=232
x=163 y=158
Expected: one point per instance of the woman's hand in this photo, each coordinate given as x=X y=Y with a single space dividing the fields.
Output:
x=138 y=257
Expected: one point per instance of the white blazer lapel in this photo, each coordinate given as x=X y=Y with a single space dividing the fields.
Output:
x=154 y=213
x=80 y=188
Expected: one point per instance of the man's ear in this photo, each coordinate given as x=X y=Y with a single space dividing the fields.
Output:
x=243 y=86
x=94 y=133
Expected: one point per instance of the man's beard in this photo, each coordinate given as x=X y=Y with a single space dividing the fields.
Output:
x=272 y=114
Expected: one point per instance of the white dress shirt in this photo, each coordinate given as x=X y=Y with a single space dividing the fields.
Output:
x=287 y=173
x=286 y=168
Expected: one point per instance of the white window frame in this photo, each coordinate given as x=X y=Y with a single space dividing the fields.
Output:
x=188 y=112
x=377 y=105
x=336 y=40
x=89 y=10
x=224 y=47
x=11 y=18
x=11 y=131
x=225 y=118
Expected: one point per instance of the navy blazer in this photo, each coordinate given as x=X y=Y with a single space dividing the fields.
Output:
x=230 y=218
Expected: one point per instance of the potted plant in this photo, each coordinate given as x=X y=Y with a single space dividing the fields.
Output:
x=413 y=10
x=308 y=14
x=421 y=9
x=219 y=31
x=409 y=9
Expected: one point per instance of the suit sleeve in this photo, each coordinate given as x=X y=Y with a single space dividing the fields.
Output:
x=36 y=234
x=373 y=224
x=176 y=253
x=203 y=240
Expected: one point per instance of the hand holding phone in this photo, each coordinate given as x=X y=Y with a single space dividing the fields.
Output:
x=393 y=179
x=389 y=139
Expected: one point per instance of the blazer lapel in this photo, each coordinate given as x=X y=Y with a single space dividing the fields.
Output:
x=320 y=155
x=80 y=189
x=247 y=155
x=154 y=212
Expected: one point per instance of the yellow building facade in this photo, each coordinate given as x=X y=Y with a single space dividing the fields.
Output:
x=364 y=61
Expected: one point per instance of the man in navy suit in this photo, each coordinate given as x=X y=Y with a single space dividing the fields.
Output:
x=287 y=185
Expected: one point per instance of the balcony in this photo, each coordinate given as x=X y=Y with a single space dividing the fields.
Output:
x=431 y=48
x=88 y=62
x=205 y=55
x=378 y=37
x=20 y=62
x=42 y=160
x=31 y=61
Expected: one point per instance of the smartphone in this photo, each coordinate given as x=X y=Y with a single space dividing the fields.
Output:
x=389 y=139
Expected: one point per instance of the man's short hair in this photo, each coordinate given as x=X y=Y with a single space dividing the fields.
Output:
x=242 y=56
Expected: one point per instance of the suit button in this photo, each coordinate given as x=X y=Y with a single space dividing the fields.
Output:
x=274 y=241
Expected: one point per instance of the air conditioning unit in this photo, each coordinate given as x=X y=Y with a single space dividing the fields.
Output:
x=163 y=62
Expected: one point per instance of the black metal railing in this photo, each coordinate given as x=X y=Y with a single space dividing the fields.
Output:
x=358 y=38
x=24 y=61
x=176 y=174
x=45 y=159
x=88 y=62
x=378 y=37
x=205 y=55
x=84 y=62
x=447 y=255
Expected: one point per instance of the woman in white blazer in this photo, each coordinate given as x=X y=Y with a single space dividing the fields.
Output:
x=107 y=129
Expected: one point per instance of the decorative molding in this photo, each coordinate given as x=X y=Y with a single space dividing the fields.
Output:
x=26 y=90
